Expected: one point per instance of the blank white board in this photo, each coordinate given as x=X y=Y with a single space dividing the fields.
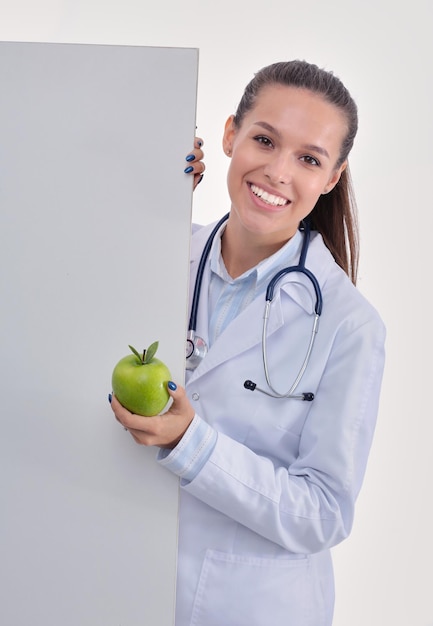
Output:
x=94 y=223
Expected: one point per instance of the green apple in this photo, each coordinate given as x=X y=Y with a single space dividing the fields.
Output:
x=139 y=382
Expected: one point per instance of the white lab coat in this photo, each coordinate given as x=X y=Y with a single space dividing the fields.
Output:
x=257 y=523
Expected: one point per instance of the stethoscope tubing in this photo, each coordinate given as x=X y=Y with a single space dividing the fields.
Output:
x=196 y=352
x=192 y=326
x=301 y=269
x=288 y=394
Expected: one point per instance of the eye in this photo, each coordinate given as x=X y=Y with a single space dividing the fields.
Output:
x=265 y=141
x=307 y=158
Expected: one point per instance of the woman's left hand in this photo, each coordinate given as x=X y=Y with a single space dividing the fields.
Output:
x=164 y=430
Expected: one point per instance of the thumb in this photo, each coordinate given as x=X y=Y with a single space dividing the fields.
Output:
x=176 y=392
x=181 y=404
x=172 y=389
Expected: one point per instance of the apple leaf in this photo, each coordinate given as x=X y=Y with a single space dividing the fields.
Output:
x=150 y=352
x=136 y=354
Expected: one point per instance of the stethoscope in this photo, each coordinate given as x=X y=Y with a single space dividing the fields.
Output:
x=196 y=347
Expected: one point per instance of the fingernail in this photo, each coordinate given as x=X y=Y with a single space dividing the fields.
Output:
x=190 y=157
x=171 y=385
x=110 y=397
x=200 y=179
x=188 y=170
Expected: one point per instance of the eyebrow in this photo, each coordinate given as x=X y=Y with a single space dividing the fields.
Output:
x=308 y=146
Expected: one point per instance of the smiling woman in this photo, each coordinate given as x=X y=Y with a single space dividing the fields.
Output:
x=334 y=216
x=269 y=481
x=284 y=155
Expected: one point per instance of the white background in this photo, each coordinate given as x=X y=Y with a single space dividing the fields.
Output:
x=382 y=50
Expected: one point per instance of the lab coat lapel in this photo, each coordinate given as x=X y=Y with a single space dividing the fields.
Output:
x=243 y=333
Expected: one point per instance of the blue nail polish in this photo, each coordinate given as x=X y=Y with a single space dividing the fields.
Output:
x=190 y=157
x=171 y=385
x=188 y=170
x=110 y=397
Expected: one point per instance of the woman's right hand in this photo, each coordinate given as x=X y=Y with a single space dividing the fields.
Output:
x=195 y=166
x=164 y=430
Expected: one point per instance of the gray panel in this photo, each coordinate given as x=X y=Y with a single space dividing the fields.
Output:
x=94 y=221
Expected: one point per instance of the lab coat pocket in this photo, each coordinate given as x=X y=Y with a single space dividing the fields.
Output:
x=236 y=590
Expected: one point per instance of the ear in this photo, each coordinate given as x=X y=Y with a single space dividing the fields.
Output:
x=335 y=178
x=229 y=133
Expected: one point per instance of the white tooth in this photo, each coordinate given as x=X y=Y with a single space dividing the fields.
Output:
x=258 y=192
x=268 y=197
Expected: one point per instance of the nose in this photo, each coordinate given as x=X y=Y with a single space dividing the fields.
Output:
x=278 y=169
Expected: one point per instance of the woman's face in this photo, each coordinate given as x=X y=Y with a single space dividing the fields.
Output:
x=283 y=157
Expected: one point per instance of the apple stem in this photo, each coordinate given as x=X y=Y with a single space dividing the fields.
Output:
x=144 y=356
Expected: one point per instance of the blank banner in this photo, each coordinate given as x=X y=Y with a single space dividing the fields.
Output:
x=95 y=215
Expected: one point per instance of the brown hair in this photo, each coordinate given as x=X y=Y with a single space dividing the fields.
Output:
x=334 y=214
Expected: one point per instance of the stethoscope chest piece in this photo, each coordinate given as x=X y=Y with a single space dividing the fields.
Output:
x=195 y=350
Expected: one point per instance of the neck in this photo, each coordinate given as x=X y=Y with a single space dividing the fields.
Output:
x=242 y=250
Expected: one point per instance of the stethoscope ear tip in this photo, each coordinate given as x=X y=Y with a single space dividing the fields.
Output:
x=248 y=384
x=308 y=396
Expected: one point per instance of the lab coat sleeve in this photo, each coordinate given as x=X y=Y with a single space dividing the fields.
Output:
x=192 y=452
x=308 y=505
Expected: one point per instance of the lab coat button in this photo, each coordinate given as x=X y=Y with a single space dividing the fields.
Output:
x=195 y=396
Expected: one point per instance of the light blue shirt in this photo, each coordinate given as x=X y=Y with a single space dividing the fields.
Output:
x=230 y=296
x=227 y=298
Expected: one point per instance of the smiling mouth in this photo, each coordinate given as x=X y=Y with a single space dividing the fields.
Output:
x=268 y=198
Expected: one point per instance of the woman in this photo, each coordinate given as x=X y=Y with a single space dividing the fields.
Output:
x=269 y=483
